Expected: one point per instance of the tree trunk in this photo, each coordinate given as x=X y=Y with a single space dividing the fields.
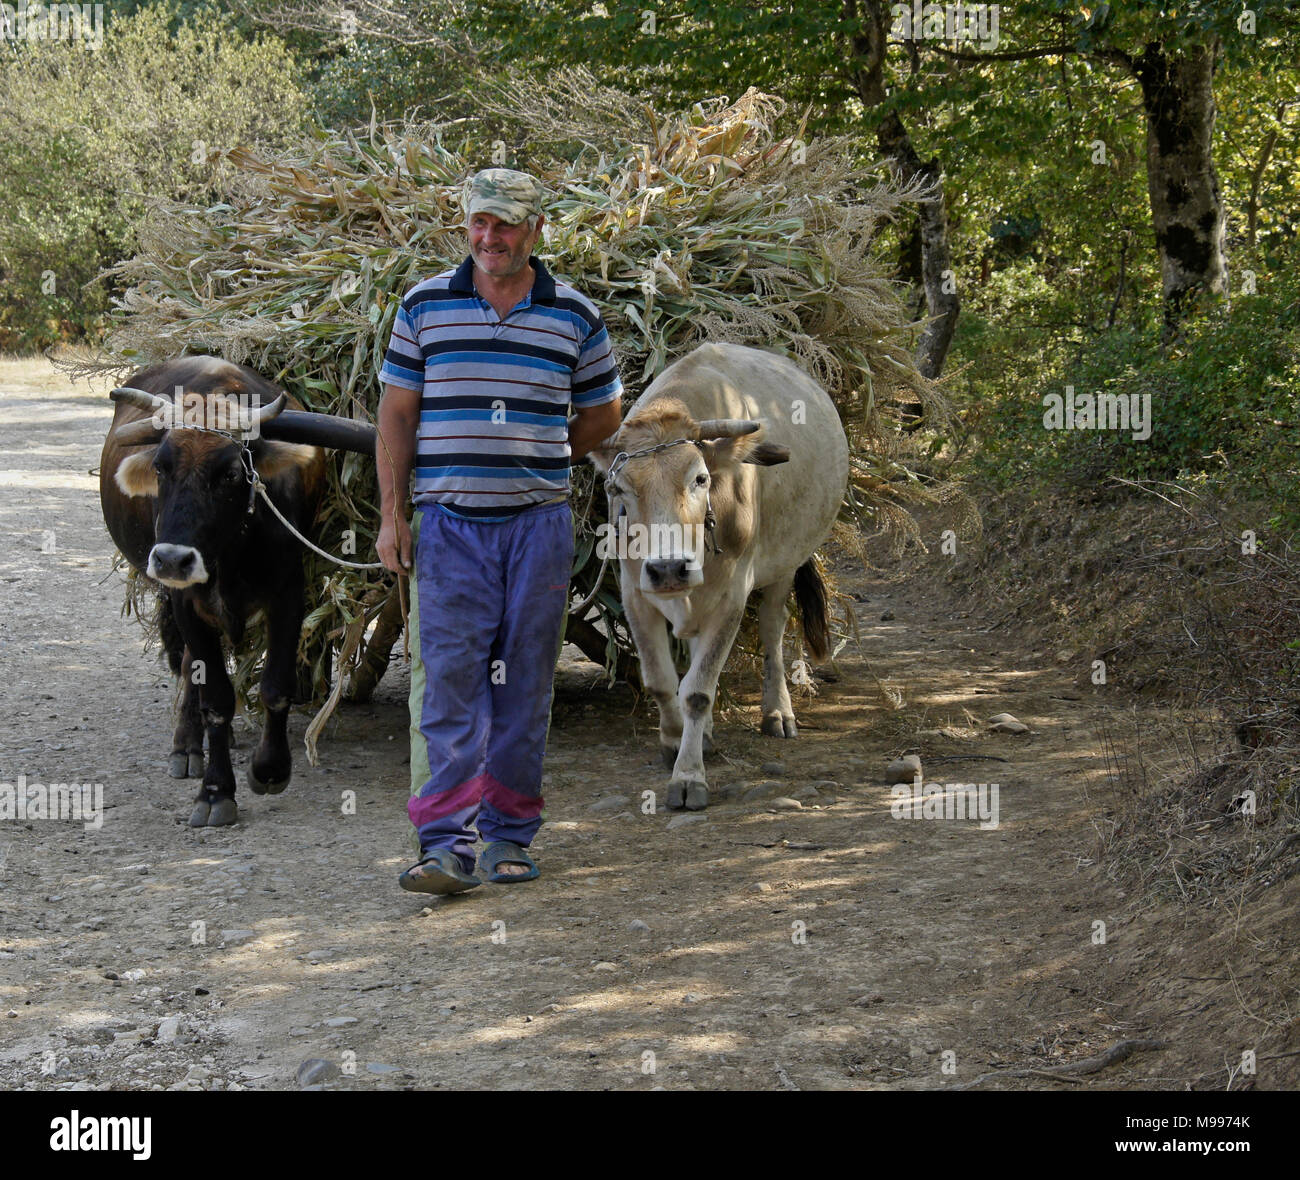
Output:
x=910 y=264
x=869 y=46
x=1186 y=205
x=936 y=258
x=1256 y=176
x=590 y=640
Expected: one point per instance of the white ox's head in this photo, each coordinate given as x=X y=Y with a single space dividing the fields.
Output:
x=669 y=505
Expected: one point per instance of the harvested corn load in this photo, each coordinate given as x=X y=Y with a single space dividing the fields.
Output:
x=701 y=226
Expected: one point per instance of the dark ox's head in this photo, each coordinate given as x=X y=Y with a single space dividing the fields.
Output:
x=662 y=502
x=198 y=478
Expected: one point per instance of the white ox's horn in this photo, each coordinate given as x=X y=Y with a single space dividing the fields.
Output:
x=712 y=428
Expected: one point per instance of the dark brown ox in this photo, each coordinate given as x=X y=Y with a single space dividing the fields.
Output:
x=178 y=498
x=729 y=471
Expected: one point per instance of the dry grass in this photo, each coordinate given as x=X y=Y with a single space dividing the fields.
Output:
x=1204 y=786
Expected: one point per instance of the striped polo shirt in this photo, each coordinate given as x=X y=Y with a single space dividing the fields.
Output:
x=495 y=393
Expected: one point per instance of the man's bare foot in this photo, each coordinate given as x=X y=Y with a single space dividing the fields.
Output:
x=423 y=870
x=503 y=861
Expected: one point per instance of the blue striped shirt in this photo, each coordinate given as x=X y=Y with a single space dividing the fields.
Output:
x=495 y=393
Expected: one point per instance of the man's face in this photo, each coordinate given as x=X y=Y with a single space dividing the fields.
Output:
x=500 y=249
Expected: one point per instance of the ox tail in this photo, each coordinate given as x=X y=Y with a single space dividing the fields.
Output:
x=810 y=595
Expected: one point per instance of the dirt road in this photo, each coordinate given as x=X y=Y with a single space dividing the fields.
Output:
x=795 y=935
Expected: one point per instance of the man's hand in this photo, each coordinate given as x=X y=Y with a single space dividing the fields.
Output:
x=394 y=544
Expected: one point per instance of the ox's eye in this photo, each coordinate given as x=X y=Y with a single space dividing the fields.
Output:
x=702 y=480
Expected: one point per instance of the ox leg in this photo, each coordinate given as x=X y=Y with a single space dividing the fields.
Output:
x=698 y=690
x=658 y=675
x=272 y=763
x=778 y=712
x=214 y=805
x=186 y=759
x=709 y=747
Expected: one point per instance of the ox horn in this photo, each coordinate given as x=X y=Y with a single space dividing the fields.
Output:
x=263 y=414
x=322 y=430
x=712 y=428
x=139 y=398
x=134 y=434
x=142 y=430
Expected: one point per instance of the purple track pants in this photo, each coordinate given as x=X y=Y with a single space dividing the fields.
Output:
x=488 y=605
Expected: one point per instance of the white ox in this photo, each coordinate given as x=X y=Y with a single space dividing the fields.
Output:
x=755 y=449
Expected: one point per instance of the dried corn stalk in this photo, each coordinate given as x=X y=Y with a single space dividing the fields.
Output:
x=700 y=226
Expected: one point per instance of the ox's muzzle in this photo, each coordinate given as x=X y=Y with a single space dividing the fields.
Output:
x=177 y=566
x=671 y=575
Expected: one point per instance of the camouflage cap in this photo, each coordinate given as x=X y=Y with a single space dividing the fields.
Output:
x=507 y=194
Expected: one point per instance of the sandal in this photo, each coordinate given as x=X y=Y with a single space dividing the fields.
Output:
x=503 y=852
x=447 y=875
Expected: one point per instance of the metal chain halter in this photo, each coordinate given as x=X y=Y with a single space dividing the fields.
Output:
x=710 y=521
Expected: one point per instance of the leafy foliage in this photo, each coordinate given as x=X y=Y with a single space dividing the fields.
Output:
x=1223 y=401
x=91 y=135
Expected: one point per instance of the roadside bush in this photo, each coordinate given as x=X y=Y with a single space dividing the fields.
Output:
x=91 y=135
x=1222 y=407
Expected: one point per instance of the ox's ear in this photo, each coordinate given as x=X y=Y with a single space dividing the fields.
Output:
x=274 y=459
x=768 y=454
x=135 y=475
x=602 y=454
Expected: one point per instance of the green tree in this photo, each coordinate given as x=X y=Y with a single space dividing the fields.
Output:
x=1173 y=51
x=996 y=132
x=831 y=53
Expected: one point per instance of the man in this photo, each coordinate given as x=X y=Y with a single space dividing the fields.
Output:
x=482 y=366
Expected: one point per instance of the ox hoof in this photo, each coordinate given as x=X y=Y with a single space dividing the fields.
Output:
x=691 y=795
x=774 y=725
x=199 y=816
x=266 y=786
x=224 y=812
